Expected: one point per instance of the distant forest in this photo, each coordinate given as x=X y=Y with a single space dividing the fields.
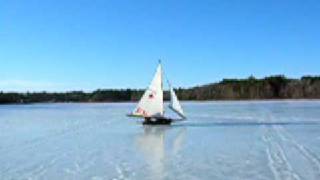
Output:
x=273 y=87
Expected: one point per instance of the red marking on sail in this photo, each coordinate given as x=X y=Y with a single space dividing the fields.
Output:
x=152 y=95
x=142 y=111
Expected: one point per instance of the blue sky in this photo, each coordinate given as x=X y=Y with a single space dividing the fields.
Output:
x=59 y=45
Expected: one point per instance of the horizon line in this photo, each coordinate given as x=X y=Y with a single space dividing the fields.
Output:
x=138 y=89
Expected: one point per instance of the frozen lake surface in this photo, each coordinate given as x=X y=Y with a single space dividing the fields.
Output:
x=221 y=140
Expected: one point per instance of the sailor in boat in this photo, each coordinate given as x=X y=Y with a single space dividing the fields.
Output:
x=151 y=105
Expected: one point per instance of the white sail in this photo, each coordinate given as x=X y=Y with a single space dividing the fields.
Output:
x=151 y=103
x=175 y=105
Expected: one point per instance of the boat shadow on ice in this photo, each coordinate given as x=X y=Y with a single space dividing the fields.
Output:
x=242 y=123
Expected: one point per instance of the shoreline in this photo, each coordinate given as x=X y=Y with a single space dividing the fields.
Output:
x=183 y=101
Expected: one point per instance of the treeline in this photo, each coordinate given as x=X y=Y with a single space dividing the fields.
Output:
x=73 y=96
x=273 y=87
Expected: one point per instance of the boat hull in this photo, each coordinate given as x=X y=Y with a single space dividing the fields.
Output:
x=157 y=121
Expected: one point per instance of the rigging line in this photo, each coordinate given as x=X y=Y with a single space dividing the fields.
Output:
x=165 y=75
x=167 y=79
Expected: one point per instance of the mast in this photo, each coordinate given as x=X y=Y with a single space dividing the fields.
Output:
x=161 y=77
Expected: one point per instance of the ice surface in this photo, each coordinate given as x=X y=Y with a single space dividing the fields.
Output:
x=257 y=140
